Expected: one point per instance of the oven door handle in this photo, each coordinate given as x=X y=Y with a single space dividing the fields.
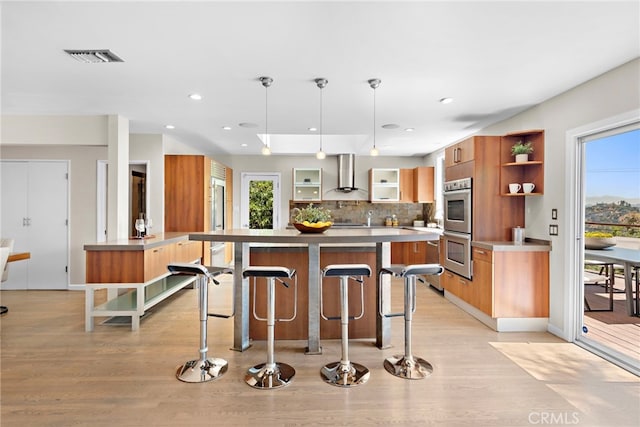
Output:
x=455 y=192
x=455 y=235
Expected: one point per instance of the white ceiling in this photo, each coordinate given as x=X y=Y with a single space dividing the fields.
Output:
x=494 y=59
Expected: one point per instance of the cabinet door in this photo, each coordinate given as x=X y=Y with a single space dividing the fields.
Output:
x=384 y=185
x=397 y=252
x=459 y=153
x=458 y=286
x=483 y=280
x=307 y=184
x=406 y=186
x=156 y=260
x=423 y=184
x=188 y=251
x=416 y=253
x=187 y=181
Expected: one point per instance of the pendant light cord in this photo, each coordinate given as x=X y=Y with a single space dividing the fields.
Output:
x=320 y=119
x=266 y=116
x=374 y=117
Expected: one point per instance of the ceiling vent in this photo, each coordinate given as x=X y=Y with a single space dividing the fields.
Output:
x=94 y=56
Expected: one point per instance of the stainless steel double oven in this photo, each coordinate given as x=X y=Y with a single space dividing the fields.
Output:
x=457 y=226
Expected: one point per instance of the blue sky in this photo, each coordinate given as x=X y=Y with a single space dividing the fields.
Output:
x=613 y=166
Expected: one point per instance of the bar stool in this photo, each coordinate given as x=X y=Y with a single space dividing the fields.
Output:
x=205 y=368
x=406 y=365
x=271 y=374
x=345 y=373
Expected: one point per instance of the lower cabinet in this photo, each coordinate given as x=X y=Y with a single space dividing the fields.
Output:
x=506 y=284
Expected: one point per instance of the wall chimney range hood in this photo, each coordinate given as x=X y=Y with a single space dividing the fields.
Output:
x=346 y=173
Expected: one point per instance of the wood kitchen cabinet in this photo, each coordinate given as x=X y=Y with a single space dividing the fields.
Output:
x=493 y=216
x=188 y=199
x=423 y=182
x=416 y=185
x=506 y=284
x=531 y=171
x=406 y=185
x=461 y=152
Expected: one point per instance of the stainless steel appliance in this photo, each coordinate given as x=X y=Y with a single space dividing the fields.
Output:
x=457 y=253
x=457 y=227
x=457 y=205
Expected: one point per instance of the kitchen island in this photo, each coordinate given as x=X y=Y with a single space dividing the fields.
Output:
x=361 y=236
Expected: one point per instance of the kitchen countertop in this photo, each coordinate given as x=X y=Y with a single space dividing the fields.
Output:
x=158 y=239
x=530 y=245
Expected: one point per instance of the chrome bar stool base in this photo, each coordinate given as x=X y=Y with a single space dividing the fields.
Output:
x=271 y=374
x=198 y=371
x=414 y=368
x=205 y=368
x=345 y=373
x=342 y=375
x=261 y=377
x=407 y=366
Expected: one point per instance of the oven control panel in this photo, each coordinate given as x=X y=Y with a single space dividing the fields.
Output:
x=458 y=184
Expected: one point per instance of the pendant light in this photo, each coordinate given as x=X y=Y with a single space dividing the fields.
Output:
x=374 y=83
x=266 y=82
x=321 y=83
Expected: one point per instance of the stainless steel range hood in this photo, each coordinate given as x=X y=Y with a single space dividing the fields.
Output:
x=346 y=173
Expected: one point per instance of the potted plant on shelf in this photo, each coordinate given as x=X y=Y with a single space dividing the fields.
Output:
x=521 y=151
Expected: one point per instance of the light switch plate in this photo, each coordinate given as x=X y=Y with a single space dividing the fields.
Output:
x=553 y=230
x=554 y=213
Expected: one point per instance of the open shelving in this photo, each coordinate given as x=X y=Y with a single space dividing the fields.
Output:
x=520 y=172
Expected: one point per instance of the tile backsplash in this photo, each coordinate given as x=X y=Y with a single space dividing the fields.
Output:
x=355 y=211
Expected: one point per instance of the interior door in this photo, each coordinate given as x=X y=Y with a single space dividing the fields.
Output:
x=35 y=214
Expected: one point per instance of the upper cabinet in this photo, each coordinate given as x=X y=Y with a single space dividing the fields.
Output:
x=416 y=185
x=462 y=152
x=523 y=173
x=384 y=185
x=423 y=184
x=307 y=185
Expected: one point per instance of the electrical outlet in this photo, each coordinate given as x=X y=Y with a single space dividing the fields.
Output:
x=554 y=213
x=553 y=229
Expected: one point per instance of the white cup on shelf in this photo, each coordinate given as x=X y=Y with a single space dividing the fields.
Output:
x=528 y=187
x=514 y=188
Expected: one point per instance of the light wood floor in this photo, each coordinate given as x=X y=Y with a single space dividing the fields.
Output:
x=55 y=374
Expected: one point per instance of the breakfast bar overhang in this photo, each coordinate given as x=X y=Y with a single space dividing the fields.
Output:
x=243 y=238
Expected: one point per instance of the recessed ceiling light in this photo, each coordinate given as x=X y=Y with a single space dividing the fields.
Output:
x=313 y=129
x=409 y=129
x=248 y=125
x=390 y=126
x=226 y=127
x=446 y=100
x=243 y=145
x=195 y=96
x=170 y=126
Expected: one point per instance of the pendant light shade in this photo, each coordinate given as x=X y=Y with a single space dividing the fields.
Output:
x=266 y=82
x=374 y=83
x=321 y=83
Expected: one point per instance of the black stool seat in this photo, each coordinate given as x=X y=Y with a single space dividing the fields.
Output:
x=401 y=270
x=336 y=270
x=268 y=271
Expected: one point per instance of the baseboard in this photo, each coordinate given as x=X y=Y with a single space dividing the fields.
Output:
x=503 y=324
